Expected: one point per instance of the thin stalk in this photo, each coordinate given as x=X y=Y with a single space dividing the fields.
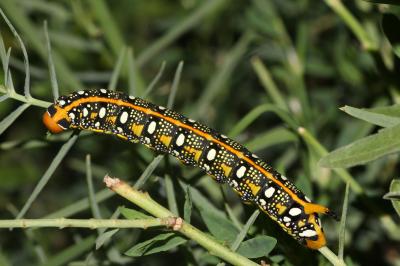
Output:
x=144 y=201
x=86 y=223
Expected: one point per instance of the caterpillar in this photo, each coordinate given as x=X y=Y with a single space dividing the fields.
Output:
x=166 y=131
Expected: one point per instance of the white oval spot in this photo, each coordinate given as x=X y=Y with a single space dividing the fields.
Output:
x=161 y=107
x=211 y=154
x=308 y=233
x=61 y=102
x=286 y=219
x=152 y=127
x=283 y=177
x=263 y=202
x=206 y=167
x=147 y=140
x=223 y=136
x=103 y=90
x=234 y=183
x=81 y=92
x=97 y=124
x=191 y=120
x=241 y=171
x=307 y=199
x=71 y=115
x=269 y=192
x=294 y=211
x=123 y=118
x=132 y=97
x=102 y=112
x=180 y=140
x=85 y=112
x=254 y=156
x=119 y=129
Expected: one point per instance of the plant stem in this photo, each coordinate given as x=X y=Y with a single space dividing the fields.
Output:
x=22 y=98
x=353 y=24
x=331 y=256
x=144 y=201
x=86 y=223
x=321 y=151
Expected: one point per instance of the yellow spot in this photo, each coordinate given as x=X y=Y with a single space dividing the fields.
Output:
x=166 y=140
x=281 y=208
x=93 y=115
x=227 y=169
x=301 y=223
x=111 y=118
x=137 y=129
x=254 y=188
x=197 y=153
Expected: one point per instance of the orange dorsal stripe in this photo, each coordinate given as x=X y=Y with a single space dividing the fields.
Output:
x=239 y=154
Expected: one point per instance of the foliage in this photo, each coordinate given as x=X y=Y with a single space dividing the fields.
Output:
x=264 y=72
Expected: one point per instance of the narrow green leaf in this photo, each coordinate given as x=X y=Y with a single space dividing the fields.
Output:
x=372 y=117
x=342 y=229
x=171 y=197
x=154 y=81
x=257 y=247
x=271 y=137
x=148 y=171
x=133 y=214
x=27 y=85
x=391 y=110
x=175 y=85
x=219 y=82
x=111 y=31
x=258 y=111
x=243 y=232
x=206 y=8
x=105 y=237
x=187 y=208
x=268 y=83
x=394 y=195
x=70 y=253
x=7 y=121
x=160 y=243
x=117 y=70
x=52 y=70
x=47 y=175
x=219 y=226
x=385 y=142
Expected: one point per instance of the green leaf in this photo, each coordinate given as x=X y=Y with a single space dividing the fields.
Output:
x=256 y=247
x=105 y=237
x=390 y=26
x=394 y=195
x=187 y=207
x=372 y=117
x=219 y=226
x=384 y=142
x=160 y=243
x=132 y=214
x=391 y=110
x=271 y=137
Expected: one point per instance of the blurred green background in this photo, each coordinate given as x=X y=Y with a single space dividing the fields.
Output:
x=278 y=65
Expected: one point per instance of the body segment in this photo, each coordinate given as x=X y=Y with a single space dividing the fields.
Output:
x=161 y=129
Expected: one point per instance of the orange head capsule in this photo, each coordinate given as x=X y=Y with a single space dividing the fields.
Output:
x=55 y=119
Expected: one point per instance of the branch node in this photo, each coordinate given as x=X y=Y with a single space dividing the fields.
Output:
x=110 y=181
